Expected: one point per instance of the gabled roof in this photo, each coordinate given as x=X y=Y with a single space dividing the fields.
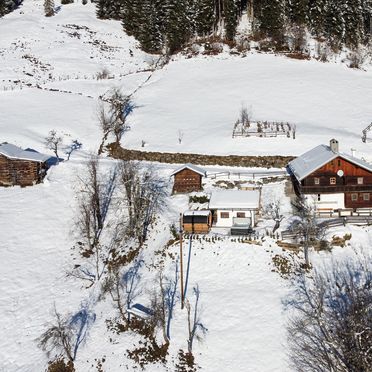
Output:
x=235 y=199
x=319 y=156
x=14 y=152
x=192 y=167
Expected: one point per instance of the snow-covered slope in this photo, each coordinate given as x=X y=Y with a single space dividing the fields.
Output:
x=202 y=97
x=48 y=70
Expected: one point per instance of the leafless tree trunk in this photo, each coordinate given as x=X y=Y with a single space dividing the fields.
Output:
x=58 y=337
x=331 y=329
x=195 y=327
x=272 y=211
x=144 y=196
x=94 y=202
x=53 y=141
x=306 y=225
x=113 y=120
x=124 y=288
x=159 y=307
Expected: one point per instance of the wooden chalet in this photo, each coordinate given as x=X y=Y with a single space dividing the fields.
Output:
x=188 y=178
x=334 y=180
x=21 y=167
x=197 y=222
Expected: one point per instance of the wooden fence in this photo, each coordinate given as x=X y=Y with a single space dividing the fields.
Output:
x=341 y=221
x=247 y=174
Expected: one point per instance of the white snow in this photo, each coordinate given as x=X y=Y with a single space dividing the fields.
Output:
x=15 y=152
x=235 y=199
x=48 y=81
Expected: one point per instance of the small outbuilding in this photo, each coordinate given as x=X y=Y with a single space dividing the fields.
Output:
x=21 y=167
x=235 y=209
x=197 y=222
x=188 y=178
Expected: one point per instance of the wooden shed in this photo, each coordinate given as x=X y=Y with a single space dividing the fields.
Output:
x=21 y=167
x=197 y=222
x=188 y=178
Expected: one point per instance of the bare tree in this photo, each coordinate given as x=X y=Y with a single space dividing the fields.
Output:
x=180 y=136
x=58 y=338
x=113 y=119
x=306 y=226
x=331 y=325
x=195 y=327
x=272 y=211
x=159 y=307
x=144 y=197
x=65 y=335
x=53 y=142
x=94 y=202
x=124 y=288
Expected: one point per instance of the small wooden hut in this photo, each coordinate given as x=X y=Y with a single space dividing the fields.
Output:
x=188 y=178
x=21 y=167
x=197 y=222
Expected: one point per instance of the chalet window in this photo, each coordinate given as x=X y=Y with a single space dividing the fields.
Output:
x=354 y=197
x=316 y=180
x=240 y=214
x=339 y=162
x=360 y=180
x=332 y=180
x=225 y=215
x=366 y=196
x=318 y=197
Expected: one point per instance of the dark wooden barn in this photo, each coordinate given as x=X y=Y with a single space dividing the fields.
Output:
x=21 y=167
x=335 y=180
x=197 y=222
x=188 y=178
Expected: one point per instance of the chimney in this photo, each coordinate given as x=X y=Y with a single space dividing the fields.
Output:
x=333 y=144
x=353 y=153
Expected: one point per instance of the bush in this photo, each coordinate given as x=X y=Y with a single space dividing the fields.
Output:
x=198 y=199
x=59 y=365
x=64 y=2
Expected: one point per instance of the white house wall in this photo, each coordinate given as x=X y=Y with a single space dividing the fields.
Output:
x=328 y=201
x=228 y=222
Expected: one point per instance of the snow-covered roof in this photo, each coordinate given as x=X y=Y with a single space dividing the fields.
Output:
x=15 y=152
x=235 y=199
x=192 y=167
x=140 y=311
x=314 y=159
x=197 y=213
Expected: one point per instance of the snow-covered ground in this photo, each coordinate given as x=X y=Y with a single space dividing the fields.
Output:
x=202 y=98
x=241 y=297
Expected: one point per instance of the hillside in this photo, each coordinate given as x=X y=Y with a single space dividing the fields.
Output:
x=48 y=80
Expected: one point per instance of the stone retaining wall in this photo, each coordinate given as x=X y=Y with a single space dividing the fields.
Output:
x=117 y=152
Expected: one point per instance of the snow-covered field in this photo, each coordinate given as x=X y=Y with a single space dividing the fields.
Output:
x=241 y=297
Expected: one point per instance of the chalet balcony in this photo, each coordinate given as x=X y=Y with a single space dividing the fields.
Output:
x=317 y=189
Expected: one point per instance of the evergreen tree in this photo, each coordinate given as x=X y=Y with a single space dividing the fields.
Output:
x=297 y=11
x=101 y=9
x=177 y=24
x=354 y=23
x=49 y=8
x=150 y=33
x=317 y=15
x=272 y=17
x=231 y=12
x=334 y=26
x=205 y=17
